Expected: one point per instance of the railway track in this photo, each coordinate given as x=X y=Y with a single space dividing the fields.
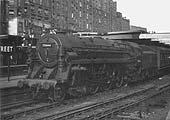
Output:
x=44 y=106
x=8 y=99
x=29 y=107
x=106 y=109
x=17 y=104
x=76 y=112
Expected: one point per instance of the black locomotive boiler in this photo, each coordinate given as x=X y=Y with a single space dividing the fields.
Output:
x=67 y=64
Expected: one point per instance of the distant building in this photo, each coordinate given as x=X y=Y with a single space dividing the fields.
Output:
x=118 y=21
x=137 y=28
x=59 y=13
x=125 y=24
x=27 y=17
x=122 y=24
x=4 y=17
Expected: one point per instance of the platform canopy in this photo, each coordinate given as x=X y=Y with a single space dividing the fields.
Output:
x=141 y=37
x=160 y=37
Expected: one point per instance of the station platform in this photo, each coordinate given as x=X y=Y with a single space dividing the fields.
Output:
x=4 y=83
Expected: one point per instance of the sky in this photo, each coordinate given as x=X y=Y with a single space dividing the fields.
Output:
x=152 y=14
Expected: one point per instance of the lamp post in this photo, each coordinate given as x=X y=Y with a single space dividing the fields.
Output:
x=8 y=66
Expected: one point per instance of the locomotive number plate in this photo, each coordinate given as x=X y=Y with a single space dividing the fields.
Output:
x=46 y=45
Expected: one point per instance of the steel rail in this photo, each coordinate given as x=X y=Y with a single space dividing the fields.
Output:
x=17 y=104
x=69 y=112
x=12 y=94
x=14 y=66
x=110 y=113
x=74 y=113
x=14 y=99
x=77 y=111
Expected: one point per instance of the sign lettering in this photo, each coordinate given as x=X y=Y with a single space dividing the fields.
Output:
x=6 y=48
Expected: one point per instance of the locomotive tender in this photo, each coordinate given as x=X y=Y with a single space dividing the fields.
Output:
x=68 y=64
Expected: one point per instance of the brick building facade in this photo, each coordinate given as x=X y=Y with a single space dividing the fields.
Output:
x=4 y=17
x=29 y=16
x=77 y=15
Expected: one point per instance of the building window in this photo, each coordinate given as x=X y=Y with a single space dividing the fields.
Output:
x=53 y=14
x=72 y=15
x=87 y=16
x=11 y=12
x=19 y=2
x=72 y=5
x=90 y=27
x=32 y=9
x=87 y=26
x=57 y=4
x=39 y=18
x=25 y=9
x=40 y=2
x=80 y=4
x=46 y=12
x=105 y=22
x=11 y=2
x=32 y=18
x=99 y=20
x=39 y=11
x=80 y=14
x=19 y=12
x=20 y=26
x=26 y=23
x=26 y=1
x=47 y=3
x=46 y=18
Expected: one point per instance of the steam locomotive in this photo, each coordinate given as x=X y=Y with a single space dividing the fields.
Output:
x=67 y=64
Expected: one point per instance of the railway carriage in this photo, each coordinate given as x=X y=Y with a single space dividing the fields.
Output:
x=163 y=58
x=149 y=61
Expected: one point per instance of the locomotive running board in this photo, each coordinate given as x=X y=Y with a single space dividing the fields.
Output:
x=88 y=61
